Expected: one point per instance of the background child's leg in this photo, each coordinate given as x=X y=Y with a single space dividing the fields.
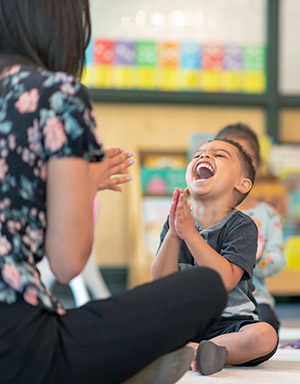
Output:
x=268 y=315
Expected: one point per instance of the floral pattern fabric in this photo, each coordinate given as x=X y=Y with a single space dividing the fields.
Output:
x=42 y=115
x=272 y=258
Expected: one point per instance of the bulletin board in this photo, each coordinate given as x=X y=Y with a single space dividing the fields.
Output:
x=190 y=46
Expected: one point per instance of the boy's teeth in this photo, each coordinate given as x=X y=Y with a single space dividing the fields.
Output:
x=204 y=171
x=205 y=165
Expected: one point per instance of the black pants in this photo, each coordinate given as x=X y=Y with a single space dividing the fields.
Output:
x=107 y=341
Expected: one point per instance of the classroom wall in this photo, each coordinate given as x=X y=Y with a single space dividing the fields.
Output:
x=148 y=127
x=289 y=120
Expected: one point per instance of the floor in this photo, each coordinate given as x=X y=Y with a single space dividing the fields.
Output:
x=282 y=368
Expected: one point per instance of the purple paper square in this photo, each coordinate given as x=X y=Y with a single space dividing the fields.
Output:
x=125 y=53
x=233 y=57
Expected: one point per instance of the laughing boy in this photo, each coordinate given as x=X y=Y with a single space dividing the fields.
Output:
x=213 y=234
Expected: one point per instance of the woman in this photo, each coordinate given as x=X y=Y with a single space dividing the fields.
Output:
x=51 y=166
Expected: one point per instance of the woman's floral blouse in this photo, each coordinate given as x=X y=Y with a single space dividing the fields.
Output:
x=42 y=115
x=273 y=258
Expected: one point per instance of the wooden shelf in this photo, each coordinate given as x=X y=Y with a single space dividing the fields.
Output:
x=286 y=283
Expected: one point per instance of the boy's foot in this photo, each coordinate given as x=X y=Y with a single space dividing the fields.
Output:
x=165 y=370
x=210 y=357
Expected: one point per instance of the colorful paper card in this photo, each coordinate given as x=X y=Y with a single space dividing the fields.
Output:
x=254 y=58
x=231 y=81
x=146 y=77
x=168 y=79
x=89 y=53
x=190 y=56
x=104 y=51
x=212 y=80
x=190 y=80
x=104 y=76
x=213 y=55
x=125 y=53
x=124 y=77
x=89 y=76
x=169 y=55
x=146 y=54
x=233 y=57
x=254 y=82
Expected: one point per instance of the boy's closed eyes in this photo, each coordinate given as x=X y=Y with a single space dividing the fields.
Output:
x=216 y=153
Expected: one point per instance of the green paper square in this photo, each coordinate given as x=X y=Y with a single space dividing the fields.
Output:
x=255 y=57
x=146 y=53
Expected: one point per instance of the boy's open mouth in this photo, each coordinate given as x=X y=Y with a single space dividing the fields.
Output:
x=203 y=170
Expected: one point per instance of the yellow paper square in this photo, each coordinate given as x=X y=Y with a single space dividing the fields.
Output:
x=124 y=77
x=168 y=79
x=88 y=76
x=190 y=80
x=104 y=76
x=232 y=81
x=211 y=81
x=146 y=78
x=254 y=82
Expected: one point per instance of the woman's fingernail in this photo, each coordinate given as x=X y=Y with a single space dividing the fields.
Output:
x=122 y=149
x=130 y=154
x=131 y=162
x=129 y=178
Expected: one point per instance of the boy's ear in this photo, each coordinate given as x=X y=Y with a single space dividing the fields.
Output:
x=187 y=192
x=244 y=185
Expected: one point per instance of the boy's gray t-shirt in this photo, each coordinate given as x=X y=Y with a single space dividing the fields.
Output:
x=235 y=238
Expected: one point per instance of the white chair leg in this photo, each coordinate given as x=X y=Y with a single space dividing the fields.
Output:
x=77 y=286
x=79 y=291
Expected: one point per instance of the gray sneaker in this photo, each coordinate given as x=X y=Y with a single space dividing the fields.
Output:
x=165 y=370
x=210 y=357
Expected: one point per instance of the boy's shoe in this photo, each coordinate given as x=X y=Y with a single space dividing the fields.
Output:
x=210 y=357
x=165 y=370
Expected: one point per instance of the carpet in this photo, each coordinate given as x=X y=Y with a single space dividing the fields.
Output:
x=282 y=368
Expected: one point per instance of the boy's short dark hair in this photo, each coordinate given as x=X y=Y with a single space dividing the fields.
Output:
x=245 y=161
x=52 y=34
x=242 y=131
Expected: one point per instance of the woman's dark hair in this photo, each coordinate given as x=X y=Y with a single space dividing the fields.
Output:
x=53 y=34
x=241 y=131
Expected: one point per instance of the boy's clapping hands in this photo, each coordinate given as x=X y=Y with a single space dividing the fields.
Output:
x=181 y=221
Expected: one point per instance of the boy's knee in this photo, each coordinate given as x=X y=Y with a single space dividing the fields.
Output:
x=268 y=336
x=263 y=337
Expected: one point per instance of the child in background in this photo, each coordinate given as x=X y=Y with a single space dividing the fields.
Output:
x=270 y=257
x=216 y=235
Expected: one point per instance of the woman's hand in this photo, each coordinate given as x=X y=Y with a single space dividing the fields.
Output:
x=108 y=174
